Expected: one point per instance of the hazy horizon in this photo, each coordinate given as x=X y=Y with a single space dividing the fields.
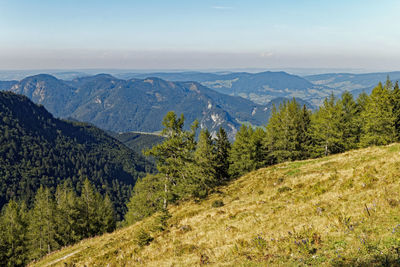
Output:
x=199 y=35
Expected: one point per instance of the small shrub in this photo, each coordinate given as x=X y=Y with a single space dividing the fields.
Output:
x=217 y=203
x=284 y=189
x=161 y=221
x=143 y=238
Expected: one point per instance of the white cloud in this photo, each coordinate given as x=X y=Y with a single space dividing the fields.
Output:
x=222 y=7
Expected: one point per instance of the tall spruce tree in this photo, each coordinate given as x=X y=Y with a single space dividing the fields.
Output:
x=89 y=222
x=204 y=175
x=107 y=216
x=287 y=133
x=378 y=118
x=325 y=129
x=147 y=198
x=242 y=153
x=67 y=215
x=174 y=156
x=13 y=234
x=349 y=124
x=396 y=109
x=222 y=150
x=42 y=227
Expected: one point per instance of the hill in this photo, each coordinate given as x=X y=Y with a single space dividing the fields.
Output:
x=340 y=210
x=260 y=87
x=37 y=149
x=355 y=83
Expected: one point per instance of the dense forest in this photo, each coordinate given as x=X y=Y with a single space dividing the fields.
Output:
x=191 y=168
x=39 y=150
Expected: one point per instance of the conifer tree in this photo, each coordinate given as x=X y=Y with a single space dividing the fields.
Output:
x=222 y=150
x=396 y=109
x=42 y=227
x=67 y=215
x=89 y=204
x=287 y=133
x=204 y=175
x=325 y=125
x=349 y=125
x=378 y=118
x=147 y=198
x=242 y=151
x=174 y=156
x=106 y=215
x=13 y=234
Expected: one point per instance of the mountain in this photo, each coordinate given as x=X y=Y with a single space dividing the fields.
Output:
x=6 y=85
x=355 y=83
x=37 y=149
x=139 y=104
x=260 y=87
x=48 y=91
x=340 y=210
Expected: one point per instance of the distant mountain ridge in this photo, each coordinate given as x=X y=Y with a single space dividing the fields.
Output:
x=355 y=83
x=140 y=104
x=260 y=87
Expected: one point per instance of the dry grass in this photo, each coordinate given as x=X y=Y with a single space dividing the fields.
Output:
x=339 y=210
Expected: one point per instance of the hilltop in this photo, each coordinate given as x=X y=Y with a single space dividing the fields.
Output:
x=336 y=210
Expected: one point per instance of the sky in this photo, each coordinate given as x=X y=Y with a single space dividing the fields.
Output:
x=199 y=34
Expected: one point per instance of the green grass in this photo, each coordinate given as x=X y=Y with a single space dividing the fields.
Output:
x=341 y=210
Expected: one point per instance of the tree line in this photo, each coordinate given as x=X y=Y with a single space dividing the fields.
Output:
x=189 y=169
x=55 y=220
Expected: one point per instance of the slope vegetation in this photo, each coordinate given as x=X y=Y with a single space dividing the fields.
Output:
x=338 y=210
x=37 y=149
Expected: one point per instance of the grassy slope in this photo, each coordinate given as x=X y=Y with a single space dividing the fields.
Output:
x=305 y=212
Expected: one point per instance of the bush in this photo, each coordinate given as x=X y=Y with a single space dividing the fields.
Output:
x=143 y=238
x=217 y=203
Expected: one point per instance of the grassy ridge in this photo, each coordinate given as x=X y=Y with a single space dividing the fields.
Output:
x=337 y=210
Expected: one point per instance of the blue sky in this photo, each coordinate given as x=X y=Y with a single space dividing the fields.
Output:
x=202 y=34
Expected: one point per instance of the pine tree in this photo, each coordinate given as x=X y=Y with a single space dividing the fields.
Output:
x=89 y=204
x=287 y=133
x=396 y=109
x=204 y=175
x=325 y=128
x=242 y=154
x=67 y=215
x=42 y=227
x=147 y=198
x=378 y=118
x=222 y=150
x=13 y=234
x=107 y=215
x=175 y=156
x=349 y=125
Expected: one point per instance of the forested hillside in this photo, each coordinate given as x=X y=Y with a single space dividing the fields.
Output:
x=37 y=149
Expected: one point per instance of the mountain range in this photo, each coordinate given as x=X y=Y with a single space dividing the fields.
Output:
x=140 y=104
x=354 y=83
x=260 y=87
